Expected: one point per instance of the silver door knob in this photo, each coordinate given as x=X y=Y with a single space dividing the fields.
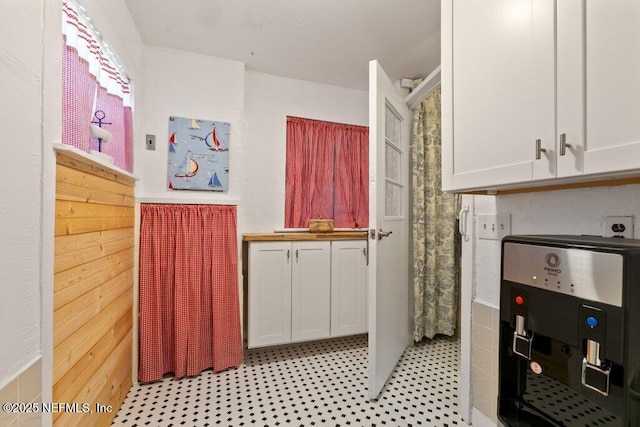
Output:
x=382 y=234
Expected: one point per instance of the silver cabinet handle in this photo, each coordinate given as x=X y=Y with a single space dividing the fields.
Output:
x=296 y=255
x=288 y=254
x=539 y=149
x=382 y=234
x=563 y=144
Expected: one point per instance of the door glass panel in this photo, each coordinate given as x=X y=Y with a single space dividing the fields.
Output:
x=393 y=158
x=392 y=127
x=392 y=199
x=392 y=163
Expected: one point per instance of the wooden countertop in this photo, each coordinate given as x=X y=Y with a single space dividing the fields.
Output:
x=336 y=235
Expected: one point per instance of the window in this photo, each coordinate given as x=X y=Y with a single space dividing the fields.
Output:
x=327 y=173
x=95 y=89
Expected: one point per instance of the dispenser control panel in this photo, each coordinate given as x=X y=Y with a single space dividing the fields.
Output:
x=591 y=275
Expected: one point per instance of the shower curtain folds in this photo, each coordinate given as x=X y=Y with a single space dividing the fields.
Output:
x=435 y=237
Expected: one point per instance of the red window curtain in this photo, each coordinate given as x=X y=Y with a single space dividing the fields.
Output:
x=352 y=179
x=327 y=173
x=189 y=307
x=79 y=90
x=92 y=81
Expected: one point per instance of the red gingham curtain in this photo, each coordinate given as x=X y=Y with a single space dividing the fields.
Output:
x=79 y=89
x=327 y=174
x=189 y=307
x=91 y=82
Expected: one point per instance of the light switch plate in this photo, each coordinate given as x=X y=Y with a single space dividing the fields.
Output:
x=151 y=142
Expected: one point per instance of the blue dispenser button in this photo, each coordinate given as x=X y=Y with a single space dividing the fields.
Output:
x=592 y=322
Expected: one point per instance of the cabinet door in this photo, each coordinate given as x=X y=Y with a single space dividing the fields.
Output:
x=348 y=287
x=310 y=290
x=490 y=64
x=570 y=95
x=269 y=293
x=612 y=46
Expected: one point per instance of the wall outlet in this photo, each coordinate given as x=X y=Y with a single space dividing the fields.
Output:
x=618 y=226
x=151 y=142
x=494 y=227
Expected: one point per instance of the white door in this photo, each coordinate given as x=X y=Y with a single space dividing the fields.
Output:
x=389 y=139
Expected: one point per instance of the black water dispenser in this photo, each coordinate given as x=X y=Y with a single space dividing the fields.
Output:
x=569 y=332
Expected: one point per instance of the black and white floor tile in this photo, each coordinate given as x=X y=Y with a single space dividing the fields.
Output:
x=321 y=383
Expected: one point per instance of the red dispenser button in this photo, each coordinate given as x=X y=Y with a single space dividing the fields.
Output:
x=519 y=300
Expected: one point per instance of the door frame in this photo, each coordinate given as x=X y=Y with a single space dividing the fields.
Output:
x=467 y=260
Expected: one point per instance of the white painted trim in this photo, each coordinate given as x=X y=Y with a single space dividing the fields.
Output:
x=446 y=98
x=135 y=344
x=74 y=153
x=467 y=291
x=481 y=420
x=187 y=201
x=424 y=89
x=51 y=135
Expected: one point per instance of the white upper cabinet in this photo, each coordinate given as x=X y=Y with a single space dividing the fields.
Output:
x=612 y=58
x=539 y=92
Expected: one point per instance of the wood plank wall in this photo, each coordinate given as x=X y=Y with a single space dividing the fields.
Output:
x=93 y=289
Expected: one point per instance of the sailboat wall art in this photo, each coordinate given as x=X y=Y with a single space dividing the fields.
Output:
x=198 y=154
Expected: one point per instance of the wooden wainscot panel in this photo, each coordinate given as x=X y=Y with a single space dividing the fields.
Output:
x=70 y=351
x=82 y=310
x=72 y=384
x=97 y=250
x=71 y=284
x=94 y=169
x=93 y=289
x=76 y=186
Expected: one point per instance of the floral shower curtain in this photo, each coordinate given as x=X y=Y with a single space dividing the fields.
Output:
x=189 y=306
x=435 y=236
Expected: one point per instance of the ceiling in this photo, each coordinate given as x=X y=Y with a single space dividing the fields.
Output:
x=324 y=41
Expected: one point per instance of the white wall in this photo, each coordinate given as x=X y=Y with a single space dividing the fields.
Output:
x=579 y=211
x=268 y=101
x=186 y=84
x=21 y=76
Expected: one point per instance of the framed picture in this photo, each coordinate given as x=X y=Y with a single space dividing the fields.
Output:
x=198 y=154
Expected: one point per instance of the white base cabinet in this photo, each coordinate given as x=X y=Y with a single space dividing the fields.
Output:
x=269 y=293
x=348 y=287
x=305 y=290
x=310 y=290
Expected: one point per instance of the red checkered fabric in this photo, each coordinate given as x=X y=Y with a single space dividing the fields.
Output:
x=189 y=306
x=79 y=89
x=327 y=174
x=87 y=69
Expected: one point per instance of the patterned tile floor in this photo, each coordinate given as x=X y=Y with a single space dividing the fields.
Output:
x=321 y=383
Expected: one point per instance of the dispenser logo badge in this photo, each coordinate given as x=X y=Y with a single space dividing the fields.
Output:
x=553 y=262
